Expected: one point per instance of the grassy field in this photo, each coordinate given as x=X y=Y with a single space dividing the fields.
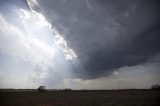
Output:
x=80 y=98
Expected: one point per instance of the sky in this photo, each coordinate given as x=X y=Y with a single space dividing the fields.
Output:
x=79 y=44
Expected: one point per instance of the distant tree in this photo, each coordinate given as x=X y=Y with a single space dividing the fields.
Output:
x=67 y=89
x=41 y=88
x=155 y=87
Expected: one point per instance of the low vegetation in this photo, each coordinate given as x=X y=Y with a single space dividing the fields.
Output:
x=80 y=98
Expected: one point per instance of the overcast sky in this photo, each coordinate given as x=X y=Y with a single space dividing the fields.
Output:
x=79 y=44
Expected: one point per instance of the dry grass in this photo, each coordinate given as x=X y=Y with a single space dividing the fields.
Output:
x=81 y=98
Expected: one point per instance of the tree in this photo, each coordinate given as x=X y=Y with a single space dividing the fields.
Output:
x=155 y=87
x=41 y=88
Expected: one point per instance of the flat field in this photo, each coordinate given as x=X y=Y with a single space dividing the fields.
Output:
x=80 y=98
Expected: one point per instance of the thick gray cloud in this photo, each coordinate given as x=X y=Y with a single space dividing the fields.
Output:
x=105 y=34
x=117 y=43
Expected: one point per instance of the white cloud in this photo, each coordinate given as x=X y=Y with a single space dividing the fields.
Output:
x=23 y=14
x=28 y=40
x=33 y=2
x=62 y=44
x=115 y=72
x=13 y=81
x=24 y=43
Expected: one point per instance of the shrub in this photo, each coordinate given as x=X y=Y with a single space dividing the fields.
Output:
x=41 y=88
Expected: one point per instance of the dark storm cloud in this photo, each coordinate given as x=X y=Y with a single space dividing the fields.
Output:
x=106 y=34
